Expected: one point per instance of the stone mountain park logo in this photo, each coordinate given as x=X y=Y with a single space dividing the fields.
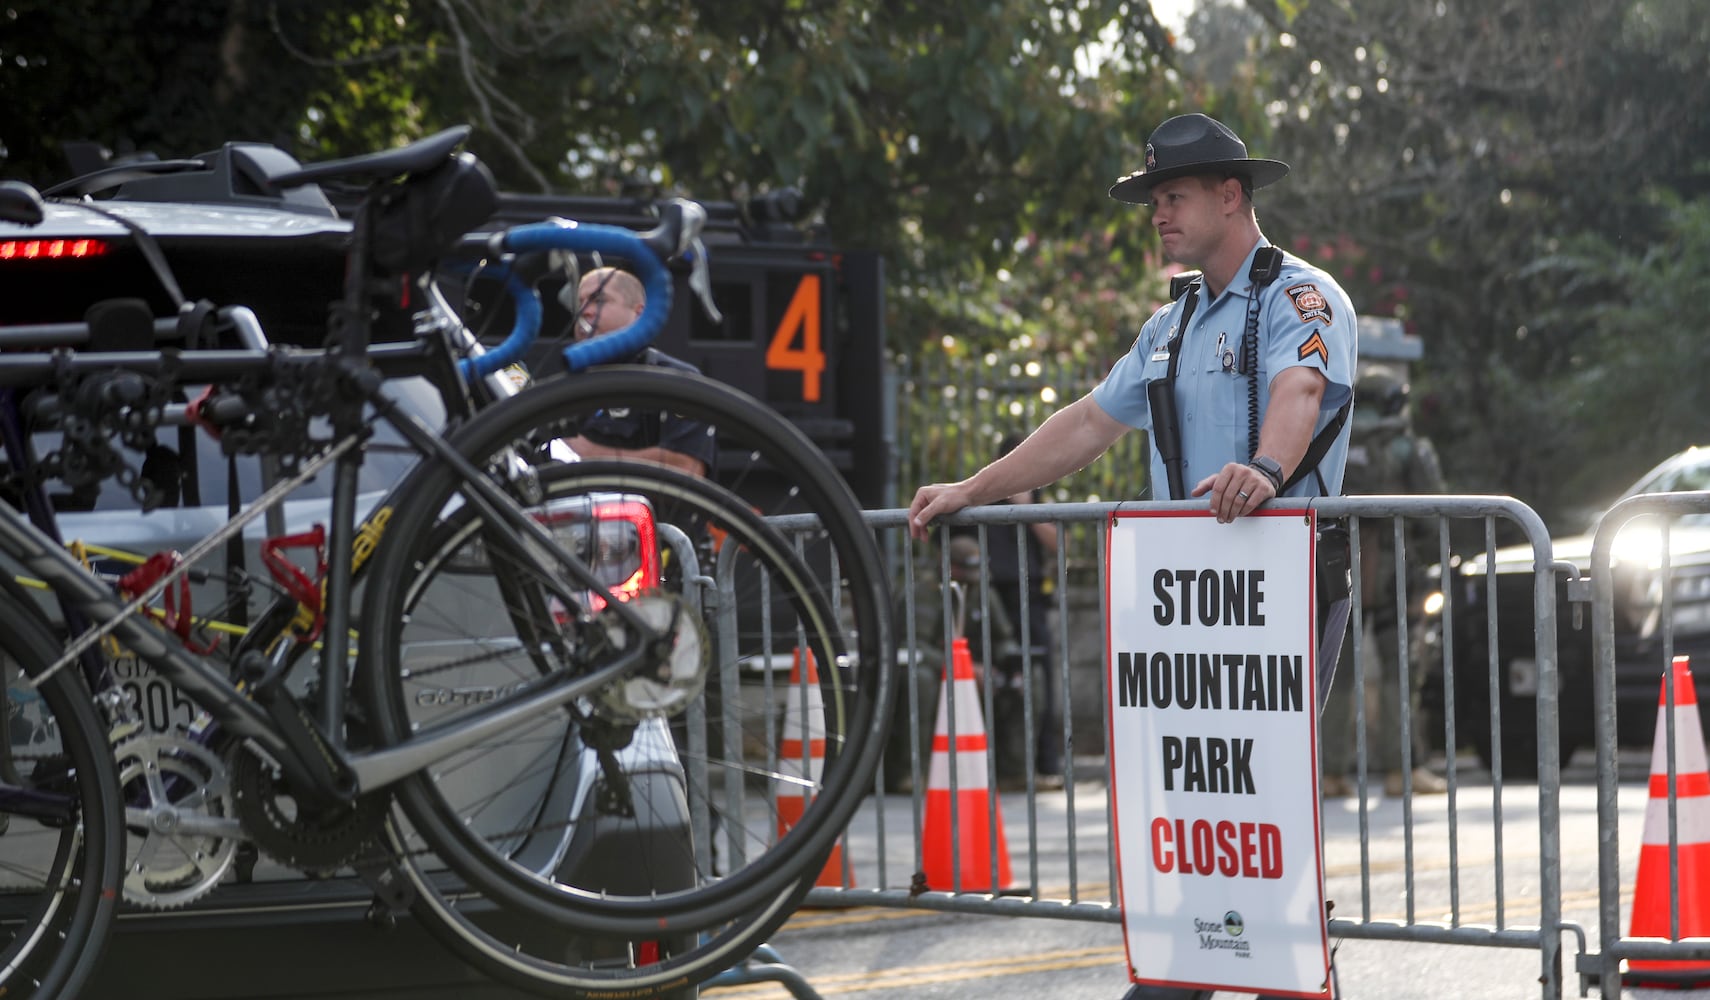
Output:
x=1223 y=935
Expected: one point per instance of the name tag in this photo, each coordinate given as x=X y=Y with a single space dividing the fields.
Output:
x=1162 y=354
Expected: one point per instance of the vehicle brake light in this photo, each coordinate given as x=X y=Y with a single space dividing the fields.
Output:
x=625 y=537
x=619 y=541
x=51 y=249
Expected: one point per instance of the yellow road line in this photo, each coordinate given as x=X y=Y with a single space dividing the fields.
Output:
x=814 y=920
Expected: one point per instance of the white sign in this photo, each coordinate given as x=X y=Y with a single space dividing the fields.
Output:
x=1214 y=751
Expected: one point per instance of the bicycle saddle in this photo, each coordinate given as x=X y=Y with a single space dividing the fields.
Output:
x=417 y=157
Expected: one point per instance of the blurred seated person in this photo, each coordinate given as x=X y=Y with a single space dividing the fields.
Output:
x=607 y=300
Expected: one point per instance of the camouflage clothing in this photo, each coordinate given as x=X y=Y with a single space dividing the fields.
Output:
x=1384 y=457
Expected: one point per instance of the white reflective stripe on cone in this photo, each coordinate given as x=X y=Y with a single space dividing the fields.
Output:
x=1689 y=755
x=1693 y=815
x=970 y=758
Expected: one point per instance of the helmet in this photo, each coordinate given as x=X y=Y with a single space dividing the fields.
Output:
x=1381 y=391
x=964 y=555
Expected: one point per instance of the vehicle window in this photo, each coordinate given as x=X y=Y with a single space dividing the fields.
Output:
x=1692 y=477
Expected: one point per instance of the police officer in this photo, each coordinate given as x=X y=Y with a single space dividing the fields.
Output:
x=1385 y=456
x=1255 y=363
x=1237 y=451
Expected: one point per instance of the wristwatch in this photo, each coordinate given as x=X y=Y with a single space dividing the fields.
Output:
x=1271 y=469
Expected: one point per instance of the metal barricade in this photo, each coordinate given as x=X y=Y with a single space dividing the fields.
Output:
x=1623 y=661
x=882 y=849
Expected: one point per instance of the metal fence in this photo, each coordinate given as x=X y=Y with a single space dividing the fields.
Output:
x=1676 y=593
x=1481 y=623
x=883 y=853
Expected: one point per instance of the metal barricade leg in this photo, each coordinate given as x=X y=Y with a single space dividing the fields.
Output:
x=765 y=966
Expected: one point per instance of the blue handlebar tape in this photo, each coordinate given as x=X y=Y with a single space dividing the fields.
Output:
x=523 y=332
x=619 y=345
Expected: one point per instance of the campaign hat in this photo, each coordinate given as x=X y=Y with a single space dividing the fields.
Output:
x=1187 y=145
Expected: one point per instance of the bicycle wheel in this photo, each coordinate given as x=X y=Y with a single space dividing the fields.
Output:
x=61 y=838
x=458 y=613
x=527 y=953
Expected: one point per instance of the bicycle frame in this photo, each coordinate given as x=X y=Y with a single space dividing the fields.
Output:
x=212 y=690
x=316 y=760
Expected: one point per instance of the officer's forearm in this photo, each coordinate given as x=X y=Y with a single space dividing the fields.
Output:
x=658 y=455
x=1066 y=442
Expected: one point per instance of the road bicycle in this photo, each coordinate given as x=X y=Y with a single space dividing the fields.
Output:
x=458 y=757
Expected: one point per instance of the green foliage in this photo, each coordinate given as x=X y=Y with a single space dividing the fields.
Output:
x=1448 y=155
x=1641 y=351
x=172 y=77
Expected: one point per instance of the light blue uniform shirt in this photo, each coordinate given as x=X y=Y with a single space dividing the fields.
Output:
x=1305 y=320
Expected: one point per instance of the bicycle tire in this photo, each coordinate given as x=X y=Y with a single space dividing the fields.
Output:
x=507 y=948
x=55 y=914
x=854 y=683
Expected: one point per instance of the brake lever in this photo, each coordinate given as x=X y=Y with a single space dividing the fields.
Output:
x=692 y=217
x=700 y=280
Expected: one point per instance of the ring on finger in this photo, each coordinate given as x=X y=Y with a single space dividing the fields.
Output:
x=1243 y=494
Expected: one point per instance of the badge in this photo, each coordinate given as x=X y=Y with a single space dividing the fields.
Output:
x=1310 y=304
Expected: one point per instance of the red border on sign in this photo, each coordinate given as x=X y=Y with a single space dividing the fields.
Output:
x=1317 y=815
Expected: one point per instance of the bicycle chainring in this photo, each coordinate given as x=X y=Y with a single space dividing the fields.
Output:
x=316 y=840
x=183 y=835
x=669 y=680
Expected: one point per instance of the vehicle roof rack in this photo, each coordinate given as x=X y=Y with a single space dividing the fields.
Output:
x=238 y=173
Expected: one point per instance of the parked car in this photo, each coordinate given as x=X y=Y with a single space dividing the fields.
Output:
x=226 y=240
x=1640 y=631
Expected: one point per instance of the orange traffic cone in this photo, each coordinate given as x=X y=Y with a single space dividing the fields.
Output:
x=958 y=838
x=1652 y=891
x=801 y=758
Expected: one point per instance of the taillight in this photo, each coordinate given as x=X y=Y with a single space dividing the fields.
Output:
x=51 y=249
x=615 y=536
x=625 y=554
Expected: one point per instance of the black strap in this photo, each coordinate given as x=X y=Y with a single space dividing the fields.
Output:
x=1175 y=342
x=1161 y=400
x=1321 y=442
x=1267 y=267
x=1316 y=451
x=150 y=250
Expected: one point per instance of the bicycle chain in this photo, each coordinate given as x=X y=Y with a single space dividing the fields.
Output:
x=316 y=842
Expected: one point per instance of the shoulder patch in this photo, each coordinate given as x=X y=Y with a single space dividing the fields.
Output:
x=1310 y=303
x=1314 y=345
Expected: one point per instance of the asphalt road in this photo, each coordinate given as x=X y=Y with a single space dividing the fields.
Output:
x=906 y=953
x=896 y=953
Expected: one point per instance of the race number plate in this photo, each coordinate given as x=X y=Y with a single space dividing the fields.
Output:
x=162 y=707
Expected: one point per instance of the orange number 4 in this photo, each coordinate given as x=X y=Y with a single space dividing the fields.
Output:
x=801 y=317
